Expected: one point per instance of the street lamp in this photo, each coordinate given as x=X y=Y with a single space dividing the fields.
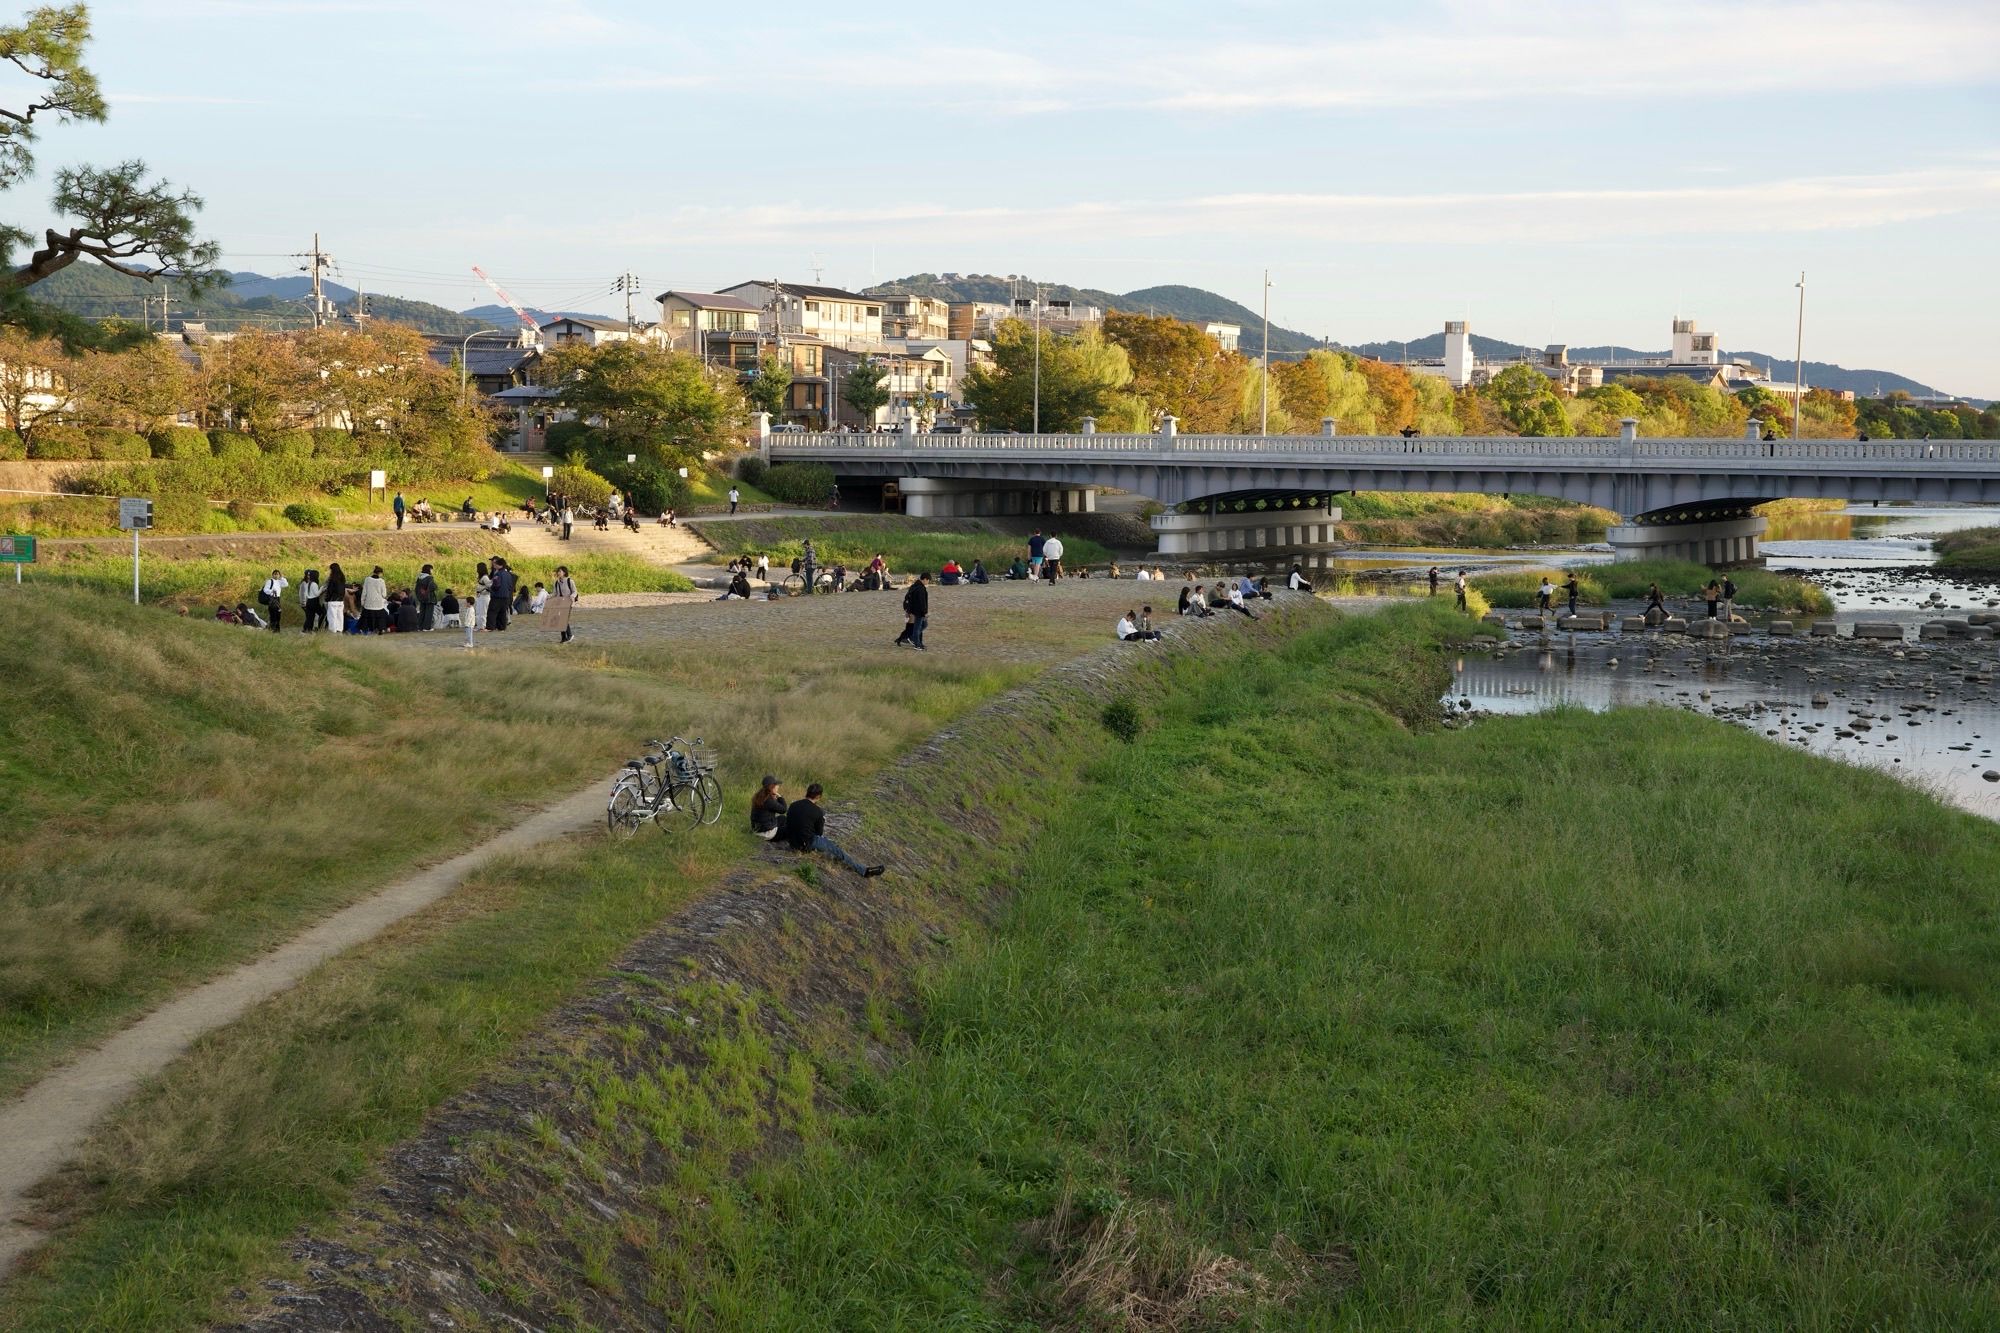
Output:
x=464 y=347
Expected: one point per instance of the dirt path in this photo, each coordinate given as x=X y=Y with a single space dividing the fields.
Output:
x=43 y=1128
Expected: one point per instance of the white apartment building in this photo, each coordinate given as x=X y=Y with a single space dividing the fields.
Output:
x=838 y=318
x=916 y=317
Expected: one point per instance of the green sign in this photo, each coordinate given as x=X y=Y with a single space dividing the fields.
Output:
x=18 y=550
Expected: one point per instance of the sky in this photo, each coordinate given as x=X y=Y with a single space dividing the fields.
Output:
x=1553 y=173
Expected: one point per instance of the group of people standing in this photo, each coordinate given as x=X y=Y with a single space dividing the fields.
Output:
x=339 y=605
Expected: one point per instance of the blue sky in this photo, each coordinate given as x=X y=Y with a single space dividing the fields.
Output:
x=1558 y=172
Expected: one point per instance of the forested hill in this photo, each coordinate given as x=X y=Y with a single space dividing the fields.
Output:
x=1190 y=303
x=1863 y=383
x=248 y=300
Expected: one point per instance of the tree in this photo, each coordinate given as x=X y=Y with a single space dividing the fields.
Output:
x=144 y=389
x=769 y=384
x=117 y=216
x=38 y=384
x=661 y=404
x=861 y=389
x=1180 y=369
x=1079 y=374
x=258 y=382
x=1527 y=402
x=1391 y=396
x=1325 y=384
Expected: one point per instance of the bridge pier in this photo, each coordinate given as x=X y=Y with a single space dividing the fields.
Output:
x=936 y=497
x=1213 y=531
x=1706 y=539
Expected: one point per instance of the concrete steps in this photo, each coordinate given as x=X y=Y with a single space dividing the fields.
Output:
x=660 y=546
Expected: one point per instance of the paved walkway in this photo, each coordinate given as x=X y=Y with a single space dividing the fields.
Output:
x=42 y=1129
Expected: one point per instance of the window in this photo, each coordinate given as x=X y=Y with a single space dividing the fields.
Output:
x=874 y=312
x=812 y=307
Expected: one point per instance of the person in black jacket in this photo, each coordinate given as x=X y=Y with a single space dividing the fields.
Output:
x=916 y=612
x=767 y=809
x=333 y=598
x=503 y=595
x=427 y=596
x=805 y=831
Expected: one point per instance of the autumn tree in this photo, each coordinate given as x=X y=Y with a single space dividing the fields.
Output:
x=145 y=388
x=1180 y=369
x=1391 y=397
x=117 y=215
x=1527 y=402
x=1325 y=384
x=258 y=382
x=38 y=384
x=1080 y=373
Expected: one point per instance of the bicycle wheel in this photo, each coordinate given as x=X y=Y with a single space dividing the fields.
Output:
x=823 y=582
x=626 y=810
x=794 y=585
x=711 y=796
x=682 y=809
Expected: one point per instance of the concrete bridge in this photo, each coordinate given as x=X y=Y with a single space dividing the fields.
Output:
x=1684 y=497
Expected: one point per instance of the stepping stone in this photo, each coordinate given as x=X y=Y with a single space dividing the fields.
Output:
x=1780 y=629
x=1878 y=629
x=1824 y=629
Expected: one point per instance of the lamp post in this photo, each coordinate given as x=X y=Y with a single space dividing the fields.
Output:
x=1799 y=359
x=464 y=347
x=1264 y=369
x=1038 y=359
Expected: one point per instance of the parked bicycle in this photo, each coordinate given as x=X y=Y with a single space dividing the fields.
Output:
x=672 y=785
x=795 y=584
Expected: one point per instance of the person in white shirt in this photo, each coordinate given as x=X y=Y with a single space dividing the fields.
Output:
x=1296 y=581
x=273 y=597
x=538 y=601
x=1142 y=576
x=1130 y=631
x=475 y=619
x=375 y=603
x=734 y=496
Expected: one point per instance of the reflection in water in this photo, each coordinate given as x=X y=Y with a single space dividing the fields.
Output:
x=1921 y=721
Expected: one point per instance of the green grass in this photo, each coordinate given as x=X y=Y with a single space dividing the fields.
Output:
x=1565 y=1021
x=1973 y=550
x=1627 y=581
x=201 y=582
x=908 y=544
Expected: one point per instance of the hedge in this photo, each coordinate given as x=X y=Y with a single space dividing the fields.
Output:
x=328 y=442
x=566 y=437
x=802 y=484
x=650 y=488
x=120 y=446
x=233 y=446
x=59 y=442
x=11 y=448
x=750 y=470
x=289 y=443
x=309 y=514
x=580 y=486
x=181 y=442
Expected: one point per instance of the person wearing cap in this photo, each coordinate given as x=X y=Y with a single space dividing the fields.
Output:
x=767 y=809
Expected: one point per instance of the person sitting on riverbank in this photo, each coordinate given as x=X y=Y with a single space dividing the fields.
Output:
x=1251 y=588
x=948 y=573
x=1018 y=570
x=406 y=617
x=978 y=574
x=226 y=616
x=1128 y=630
x=767 y=809
x=1297 y=581
x=1232 y=597
x=805 y=831
x=739 y=587
x=246 y=617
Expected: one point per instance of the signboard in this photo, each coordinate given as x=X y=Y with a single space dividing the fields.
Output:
x=134 y=514
x=17 y=550
x=378 y=480
x=548 y=472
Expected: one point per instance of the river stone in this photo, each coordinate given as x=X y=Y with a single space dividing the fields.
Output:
x=1674 y=625
x=1878 y=629
x=1632 y=623
x=1780 y=628
x=1934 y=630
x=1980 y=632
x=1709 y=629
x=1531 y=622
x=1824 y=629
x=1991 y=775
x=1494 y=618
x=1983 y=618
x=1953 y=624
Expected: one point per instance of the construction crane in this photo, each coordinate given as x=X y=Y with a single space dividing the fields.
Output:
x=527 y=320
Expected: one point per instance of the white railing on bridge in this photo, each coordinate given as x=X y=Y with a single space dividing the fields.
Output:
x=1554 y=449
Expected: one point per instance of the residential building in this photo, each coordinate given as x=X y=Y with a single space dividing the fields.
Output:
x=687 y=319
x=916 y=317
x=836 y=317
x=1228 y=335
x=915 y=379
x=978 y=319
x=1694 y=355
x=592 y=332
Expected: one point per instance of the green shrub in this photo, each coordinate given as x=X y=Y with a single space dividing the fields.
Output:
x=59 y=442
x=330 y=443
x=583 y=487
x=1121 y=719
x=289 y=443
x=567 y=437
x=232 y=446
x=800 y=484
x=750 y=470
x=650 y=488
x=181 y=442
x=11 y=448
x=309 y=514
x=119 y=446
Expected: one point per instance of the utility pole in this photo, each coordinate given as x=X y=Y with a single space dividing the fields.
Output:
x=166 y=298
x=318 y=262
x=627 y=283
x=1038 y=358
x=1799 y=359
x=1264 y=370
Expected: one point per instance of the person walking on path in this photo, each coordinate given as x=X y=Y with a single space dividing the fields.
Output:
x=333 y=599
x=1036 y=544
x=1434 y=580
x=916 y=613
x=310 y=595
x=1728 y=598
x=805 y=830
x=273 y=597
x=1655 y=602
x=734 y=496
x=568 y=520
x=1459 y=588
x=1573 y=589
x=1713 y=595
x=482 y=598
x=562 y=602
x=427 y=598
x=400 y=508
x=374 y=603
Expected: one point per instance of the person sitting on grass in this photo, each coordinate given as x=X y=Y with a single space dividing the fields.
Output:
x=978 y=574
x=467 y=509
x=948 y=573
x=1233 y=599
x=1018 y=570
x=1297 y=581
x=226 y=616
x=1251 y=588
x=408 y=618
x=631 y=520
x=767 y=809
x=248 y=618
x=602 y=520
x=538 y=601
x=805 y=830
x=1131 y=629
x=448 y=608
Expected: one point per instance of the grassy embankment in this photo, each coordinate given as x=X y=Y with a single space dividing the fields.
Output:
x=197 y=790
x=1627 y=580
x=199 y=582
x=1615 y=1020
x=908 y=544
x=1973 y=551
x=1422 y=518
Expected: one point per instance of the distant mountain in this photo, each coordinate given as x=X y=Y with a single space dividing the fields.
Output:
x=1189 y=303
x=1819 y=374
x=248 y=300
x=506 y=318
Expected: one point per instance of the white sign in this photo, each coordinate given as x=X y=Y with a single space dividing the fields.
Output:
x=378 y=480
x=548 y=472
x=134 y=514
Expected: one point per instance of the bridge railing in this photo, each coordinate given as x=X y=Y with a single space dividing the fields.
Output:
x=1184 y=448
